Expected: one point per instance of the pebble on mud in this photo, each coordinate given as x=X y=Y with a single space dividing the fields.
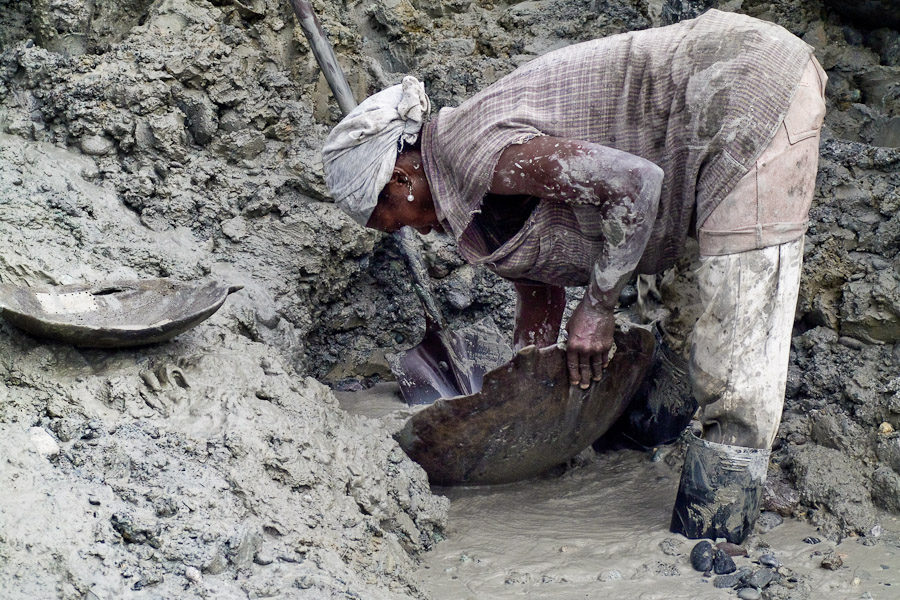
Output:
x=670 y=547
x=761 y=578
x=832 y=562
x=885 y=428
x=769 y=560
x=43 y=442
x=732 y=549
x=811 y=540
x=609 y=575
x=96 y=145
x=727 y=581
x=749 y=593
x=193 y=574
x=723 y=564
x=702 y=556
x=768 y=521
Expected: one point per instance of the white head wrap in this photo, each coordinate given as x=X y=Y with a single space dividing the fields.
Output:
x=360 y=152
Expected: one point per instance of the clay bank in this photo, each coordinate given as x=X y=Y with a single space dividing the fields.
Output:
x=148 y=139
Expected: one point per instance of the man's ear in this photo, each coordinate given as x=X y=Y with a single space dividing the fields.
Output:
x=399 y=175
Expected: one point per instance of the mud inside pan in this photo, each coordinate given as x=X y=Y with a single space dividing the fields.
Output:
x=527 y=418
x=113 y=314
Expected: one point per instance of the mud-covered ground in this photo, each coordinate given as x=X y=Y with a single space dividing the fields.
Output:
x=171 y=138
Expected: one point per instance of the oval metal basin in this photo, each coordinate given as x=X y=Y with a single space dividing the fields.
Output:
x=526 y=419
x=112 y=314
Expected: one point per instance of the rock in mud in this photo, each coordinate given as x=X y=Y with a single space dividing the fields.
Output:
x=749 y=593
x=722 y=563
x=43 y=442
x=702 y=556
x=96 y=145
x=779 y=497
x=727 y=581
x=832 y=562
x=769 y=560
x=761 y=578
x=768 y=521
x=671 y=546
x=732 y=549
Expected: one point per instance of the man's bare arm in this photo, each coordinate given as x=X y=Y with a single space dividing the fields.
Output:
x=539 y=310
x=625 y=188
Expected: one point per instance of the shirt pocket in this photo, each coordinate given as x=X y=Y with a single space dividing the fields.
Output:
x=807 y=111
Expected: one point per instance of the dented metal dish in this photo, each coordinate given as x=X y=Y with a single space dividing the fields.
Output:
x=112 y=314
x=527 y=418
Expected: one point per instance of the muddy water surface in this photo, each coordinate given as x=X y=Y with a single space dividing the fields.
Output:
x=600 y=530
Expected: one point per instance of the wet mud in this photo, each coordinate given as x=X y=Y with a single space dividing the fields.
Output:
x=154 y=138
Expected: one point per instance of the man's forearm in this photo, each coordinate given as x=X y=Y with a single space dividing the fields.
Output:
x=539 y=310
x=628 y=224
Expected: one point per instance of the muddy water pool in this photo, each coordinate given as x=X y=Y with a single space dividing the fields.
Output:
x=600 y=530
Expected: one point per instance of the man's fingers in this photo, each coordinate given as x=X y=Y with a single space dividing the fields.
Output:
x=584 y=362
x=609 y=355
x=597 y=365
x=572 y=364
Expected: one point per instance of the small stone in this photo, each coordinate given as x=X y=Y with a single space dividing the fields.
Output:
x=263 y=557
x=779 y=496
x=798 y=439
x=702 y=556
x=723 y=564
x=192 y=574
x=43 y=442
x=852 y=343
x=768 y=521
x=769 y=560
x=732 y=549
x=811 y=540
x=670 y=546
x=761 y=578
x=96 y=145
x=749 y=593
x=885 y=428
x=609 y=575
x=726 y=581
x=832 y=562
x=235 y=229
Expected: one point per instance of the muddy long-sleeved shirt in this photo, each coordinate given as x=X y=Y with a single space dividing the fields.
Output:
x=701 y=99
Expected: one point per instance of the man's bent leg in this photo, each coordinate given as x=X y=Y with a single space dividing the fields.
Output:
x=739 y=360
x=741 y=343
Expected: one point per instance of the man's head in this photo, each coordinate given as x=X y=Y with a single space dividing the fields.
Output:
x=406 y=198
x=360 y=153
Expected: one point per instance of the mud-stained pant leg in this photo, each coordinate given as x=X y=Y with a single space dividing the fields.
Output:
x=741 y=343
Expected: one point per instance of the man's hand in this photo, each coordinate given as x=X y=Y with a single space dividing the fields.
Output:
x=590 y=342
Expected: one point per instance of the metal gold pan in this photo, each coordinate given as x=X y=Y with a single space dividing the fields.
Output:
x=113 y=314
x=527 y=418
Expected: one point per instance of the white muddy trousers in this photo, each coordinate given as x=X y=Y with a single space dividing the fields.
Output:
x=741 y=342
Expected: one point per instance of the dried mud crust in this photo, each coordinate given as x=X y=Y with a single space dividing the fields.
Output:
x=180 y=139
x=206 y=466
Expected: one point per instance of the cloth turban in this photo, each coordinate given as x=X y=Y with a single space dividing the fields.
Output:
x=360 y=152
